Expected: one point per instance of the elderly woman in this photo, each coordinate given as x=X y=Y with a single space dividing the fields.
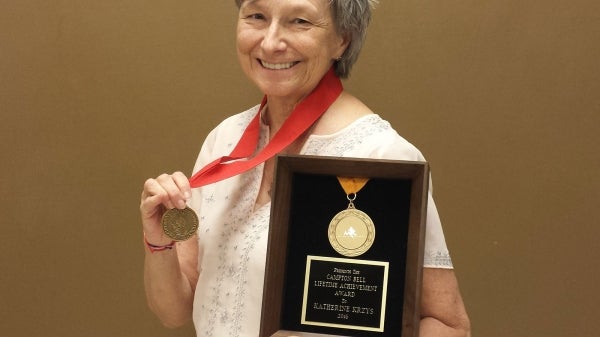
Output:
x=295 y=51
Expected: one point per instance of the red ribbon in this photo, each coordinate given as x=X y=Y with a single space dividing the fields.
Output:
x=302 y=117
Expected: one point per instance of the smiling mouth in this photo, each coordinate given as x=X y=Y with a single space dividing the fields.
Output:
x=277 y=66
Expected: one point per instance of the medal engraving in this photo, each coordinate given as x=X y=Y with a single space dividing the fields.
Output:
x=351 y=232
x=179 y=224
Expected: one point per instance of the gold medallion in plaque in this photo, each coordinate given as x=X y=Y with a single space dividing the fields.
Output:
x=180 y=224
x=351 y=232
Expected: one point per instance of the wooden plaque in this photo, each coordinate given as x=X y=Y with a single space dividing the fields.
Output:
x=311 y=289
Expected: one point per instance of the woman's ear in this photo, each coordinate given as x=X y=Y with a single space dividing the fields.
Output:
x=344 y=43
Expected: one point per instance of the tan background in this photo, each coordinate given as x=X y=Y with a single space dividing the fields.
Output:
x=501 y=96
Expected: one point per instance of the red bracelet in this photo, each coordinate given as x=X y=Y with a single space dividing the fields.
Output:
x=154 y=248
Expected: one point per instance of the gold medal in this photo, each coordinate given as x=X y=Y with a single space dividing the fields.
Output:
x=179 y=224
x=351 y=232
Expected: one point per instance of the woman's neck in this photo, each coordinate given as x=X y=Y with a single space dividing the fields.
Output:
x=345 y=110
x=277 y=111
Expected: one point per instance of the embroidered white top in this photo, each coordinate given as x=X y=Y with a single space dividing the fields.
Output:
x=233 y=236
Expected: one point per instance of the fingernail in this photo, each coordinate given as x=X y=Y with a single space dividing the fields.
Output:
x=181 y=204
x=187 y=195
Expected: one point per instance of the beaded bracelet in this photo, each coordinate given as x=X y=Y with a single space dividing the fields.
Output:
x=155 y=248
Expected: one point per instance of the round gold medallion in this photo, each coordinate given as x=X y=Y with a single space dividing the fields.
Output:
x=351 y=232
x=180 y=224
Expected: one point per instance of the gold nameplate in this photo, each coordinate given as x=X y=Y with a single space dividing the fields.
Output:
x=345 y=293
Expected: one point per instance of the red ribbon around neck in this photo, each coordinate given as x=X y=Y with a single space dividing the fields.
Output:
x=302 y=117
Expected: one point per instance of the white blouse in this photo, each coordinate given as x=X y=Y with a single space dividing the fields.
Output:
x=233 y=236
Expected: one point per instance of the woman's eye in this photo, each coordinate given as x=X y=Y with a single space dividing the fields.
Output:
x=301 y=21
x=255 y=16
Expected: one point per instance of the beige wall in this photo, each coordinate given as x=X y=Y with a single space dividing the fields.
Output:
x=501 y=96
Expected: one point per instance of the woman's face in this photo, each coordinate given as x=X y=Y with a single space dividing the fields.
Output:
x=286 y=47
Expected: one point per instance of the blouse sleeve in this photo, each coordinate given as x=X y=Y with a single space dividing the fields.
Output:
x=436 y=253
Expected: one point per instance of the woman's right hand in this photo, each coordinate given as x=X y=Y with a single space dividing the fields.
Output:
x=164 y=192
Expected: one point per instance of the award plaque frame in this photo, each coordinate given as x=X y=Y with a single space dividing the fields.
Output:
x=310 y=289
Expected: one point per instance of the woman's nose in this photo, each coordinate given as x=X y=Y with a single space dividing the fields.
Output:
x=274 y=38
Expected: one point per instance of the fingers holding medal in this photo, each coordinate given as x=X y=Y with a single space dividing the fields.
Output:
x=170 y=191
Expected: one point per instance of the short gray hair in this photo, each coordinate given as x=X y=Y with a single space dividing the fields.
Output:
x=351 y=18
